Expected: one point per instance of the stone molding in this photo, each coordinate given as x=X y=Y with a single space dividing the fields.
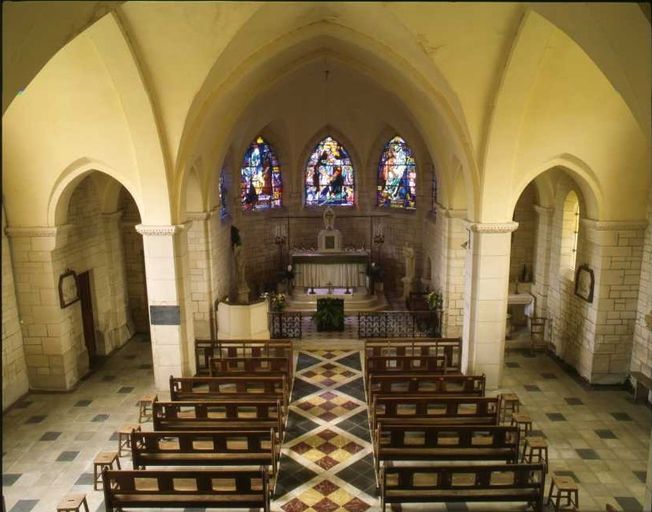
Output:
x=112 y=217
x=614 y=225
x=158 y=230
x=493 y=227
x=58 y=234
x=197 y=216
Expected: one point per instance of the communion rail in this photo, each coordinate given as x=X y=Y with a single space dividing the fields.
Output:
x=284 y=324
x=399 y=324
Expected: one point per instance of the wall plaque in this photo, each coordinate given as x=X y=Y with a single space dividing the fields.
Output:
x=584 y=283
x=68 y=293
x=165 y=315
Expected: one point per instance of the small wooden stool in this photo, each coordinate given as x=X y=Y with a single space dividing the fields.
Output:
x=103 y=460
x=566 y=488
x=145 y=406
x=124 y=437
x=509 y=401
x=523 y=422
x=535 y=447
x=72 y=502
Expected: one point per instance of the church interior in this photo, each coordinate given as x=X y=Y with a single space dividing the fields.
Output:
x=353 y=256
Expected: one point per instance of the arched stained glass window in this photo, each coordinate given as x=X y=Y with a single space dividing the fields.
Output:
x=397 y=176
x=329 y=176
x=224 y=210
x=260 y=178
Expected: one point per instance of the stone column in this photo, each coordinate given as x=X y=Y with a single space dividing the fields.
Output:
x=486 y=293
x=172 y=348
x=647 y=499
x=55 y=354
x=614 y=252
x=542 y=260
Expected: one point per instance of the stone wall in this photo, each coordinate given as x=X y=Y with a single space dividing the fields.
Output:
x=642 y=347
x=134 y=261
x=524 y=238
x=14 y=370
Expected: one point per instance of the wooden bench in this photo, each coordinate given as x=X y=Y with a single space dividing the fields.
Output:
x=642 y=388
x=444 y=443
x=215 y=488
x=205 y=349
x=449 y=385
x=255 y=448
x=232 y=387
x=440 y=484
x=434 y=410
x=219 y=415
x=389 y=365
x=251 y=366
x=451 y=348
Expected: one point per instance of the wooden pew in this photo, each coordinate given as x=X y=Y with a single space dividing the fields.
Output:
x=384 y=365
x=440 y=484
x=415 y=385
x=251 y=366
x=240 y=415
x=205 y=349
x=255 y=448
x=238 y=488
x=434 y=410
x=444 y=443
x=233 y=387
x=451 y=348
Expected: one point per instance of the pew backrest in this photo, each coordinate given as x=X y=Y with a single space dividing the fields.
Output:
x=449 y=385
x=251 y=366
x=211 y=388
x=166 y=488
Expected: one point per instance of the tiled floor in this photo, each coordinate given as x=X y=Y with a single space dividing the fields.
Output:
x=597 y=437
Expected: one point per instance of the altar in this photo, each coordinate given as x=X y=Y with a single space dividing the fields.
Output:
x=346 y=269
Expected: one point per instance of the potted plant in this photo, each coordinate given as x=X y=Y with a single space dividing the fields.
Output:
x=330 y=314
x=277 y=302
x=435 y=300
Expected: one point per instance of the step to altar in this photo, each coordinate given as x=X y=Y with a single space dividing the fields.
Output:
x=304 y=300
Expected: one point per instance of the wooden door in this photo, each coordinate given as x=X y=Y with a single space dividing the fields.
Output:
x=86 y=300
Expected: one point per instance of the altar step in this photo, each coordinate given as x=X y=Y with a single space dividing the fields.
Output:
x=353 y=303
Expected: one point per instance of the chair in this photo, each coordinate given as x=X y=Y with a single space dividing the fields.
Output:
x=537 y=332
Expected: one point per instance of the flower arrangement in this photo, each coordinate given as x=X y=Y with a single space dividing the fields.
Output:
x=277 y=301
x=435 y=300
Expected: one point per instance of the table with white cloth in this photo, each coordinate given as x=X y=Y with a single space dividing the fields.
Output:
x=336 y=269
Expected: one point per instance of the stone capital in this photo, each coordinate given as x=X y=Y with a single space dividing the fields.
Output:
x=159 y=230
x=493 y=227
x=58 y=235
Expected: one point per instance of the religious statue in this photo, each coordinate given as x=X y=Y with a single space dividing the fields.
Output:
x=409 y=262
x=329 y=219
x=241 y=288
x=408 y=280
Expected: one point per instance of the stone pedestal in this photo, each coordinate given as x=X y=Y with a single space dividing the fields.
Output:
x=243 y=321
x=409 y=286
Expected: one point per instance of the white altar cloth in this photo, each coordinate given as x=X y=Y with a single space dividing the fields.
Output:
x=322 y=275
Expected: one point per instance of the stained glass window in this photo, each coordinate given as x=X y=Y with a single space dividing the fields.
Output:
x=329 y=175
x=397 y=176
x=260 y=178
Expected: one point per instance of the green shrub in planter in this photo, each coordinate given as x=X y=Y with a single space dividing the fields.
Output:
x=330 y=314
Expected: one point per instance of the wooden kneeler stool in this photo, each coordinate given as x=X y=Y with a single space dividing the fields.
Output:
x=103 y=460
x=72 y=503
x=566 y=489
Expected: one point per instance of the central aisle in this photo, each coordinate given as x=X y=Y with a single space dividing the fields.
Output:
x=327 y=461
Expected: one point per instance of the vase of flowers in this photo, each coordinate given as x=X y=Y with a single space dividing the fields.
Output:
x=435 y=300
x=277 y=302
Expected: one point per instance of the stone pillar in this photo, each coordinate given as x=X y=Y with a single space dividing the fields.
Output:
x=542 y=260
x=172 y=348
x=486 y=293
x=647 y=499
x=55 y=353
x=201 y=276
x=614 y=252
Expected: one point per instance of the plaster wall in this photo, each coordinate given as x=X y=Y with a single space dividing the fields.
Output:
x=14 y=370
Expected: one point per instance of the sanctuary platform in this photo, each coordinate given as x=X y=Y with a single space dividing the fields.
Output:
x=358 y=300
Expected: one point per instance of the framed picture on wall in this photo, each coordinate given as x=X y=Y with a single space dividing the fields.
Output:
x=584 y=282
x=68 y=293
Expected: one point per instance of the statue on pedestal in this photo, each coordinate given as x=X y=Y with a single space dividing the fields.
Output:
x=241 y=288
x=408 y=280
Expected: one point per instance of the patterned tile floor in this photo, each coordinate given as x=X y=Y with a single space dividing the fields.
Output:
x=598 y=437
